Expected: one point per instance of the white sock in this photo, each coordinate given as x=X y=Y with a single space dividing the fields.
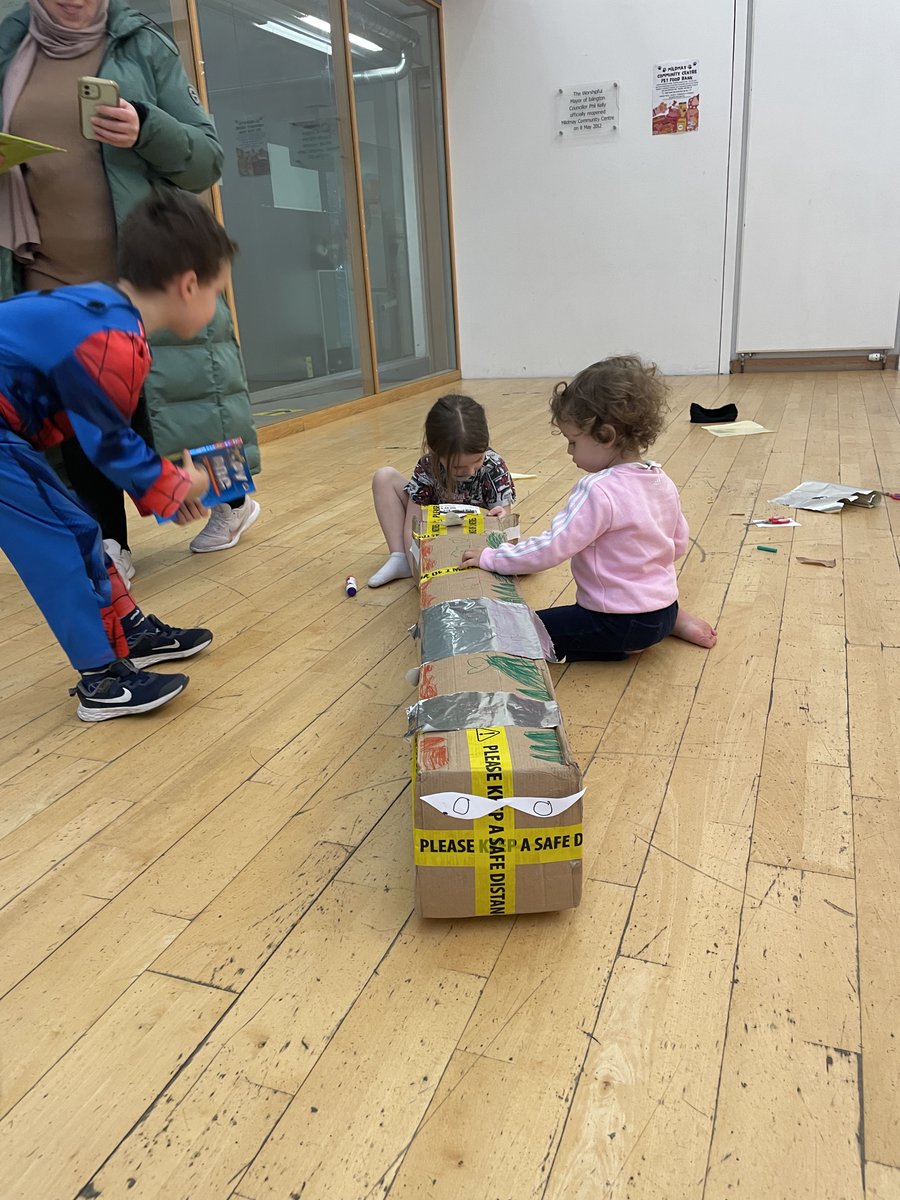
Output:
x=396 y=567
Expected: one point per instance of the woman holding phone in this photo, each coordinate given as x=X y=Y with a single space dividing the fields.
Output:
x=59 y=216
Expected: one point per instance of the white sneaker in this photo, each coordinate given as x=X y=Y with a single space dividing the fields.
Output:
x=225 y=527
x=122 y=560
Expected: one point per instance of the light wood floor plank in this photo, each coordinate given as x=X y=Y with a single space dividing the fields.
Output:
x=206 y=916
x=792 y=1046
x=101 y=1088
x=333 y=1142
x=52 y=1009
x=882 y=1182
x=517 y=1062
x=641 y=1119
x=877 y=834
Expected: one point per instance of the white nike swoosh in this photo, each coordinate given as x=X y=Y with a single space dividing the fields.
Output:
x=123 y=698
x=171 y=646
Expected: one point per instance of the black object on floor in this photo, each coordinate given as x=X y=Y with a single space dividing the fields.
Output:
x=713 y=416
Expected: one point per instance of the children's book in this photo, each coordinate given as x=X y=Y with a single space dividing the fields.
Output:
x=15 y=150
x=229 y=476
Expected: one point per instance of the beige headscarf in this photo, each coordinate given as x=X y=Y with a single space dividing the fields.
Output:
x=18 y=225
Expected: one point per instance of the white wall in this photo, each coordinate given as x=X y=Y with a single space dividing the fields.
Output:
x=820 y=256
x=567 y=253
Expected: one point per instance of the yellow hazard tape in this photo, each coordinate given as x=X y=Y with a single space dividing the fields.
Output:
x=490 y=763
x=435 y=526
x=423 y=578
x=494 y=846
x=532 y=845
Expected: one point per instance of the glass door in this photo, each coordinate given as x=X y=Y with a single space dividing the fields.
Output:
x=395 y=51
x=334 y=186
x=275 y=96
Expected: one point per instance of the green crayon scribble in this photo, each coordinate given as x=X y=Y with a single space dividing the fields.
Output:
x=504 y=588
x=545 y=745
x=526 y=674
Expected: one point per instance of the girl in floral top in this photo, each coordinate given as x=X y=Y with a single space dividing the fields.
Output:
x=457 y=467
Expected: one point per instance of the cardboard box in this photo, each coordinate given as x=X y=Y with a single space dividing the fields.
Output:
x=439 y=519
x=439 y=540
x=496 y=793
x=486 y=673
x=483 y=689
x=513 y=858
x=441 y=577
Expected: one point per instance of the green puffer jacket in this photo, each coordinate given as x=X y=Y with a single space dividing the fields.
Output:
x=196 y=391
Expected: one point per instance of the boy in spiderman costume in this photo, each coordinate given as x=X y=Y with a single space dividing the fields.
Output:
x=72 y=364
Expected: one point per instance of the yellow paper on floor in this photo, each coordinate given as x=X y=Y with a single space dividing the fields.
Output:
x=735 y=428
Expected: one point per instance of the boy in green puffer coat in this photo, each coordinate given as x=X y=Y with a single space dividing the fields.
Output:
x=196 y=392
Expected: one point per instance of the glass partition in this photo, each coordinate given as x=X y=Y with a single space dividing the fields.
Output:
x=395 y=48
x=343 y=285
x=270 y=82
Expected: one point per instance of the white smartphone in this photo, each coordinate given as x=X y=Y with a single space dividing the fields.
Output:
x=91 y=92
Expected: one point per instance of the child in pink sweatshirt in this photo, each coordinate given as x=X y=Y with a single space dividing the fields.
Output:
x=622 y=526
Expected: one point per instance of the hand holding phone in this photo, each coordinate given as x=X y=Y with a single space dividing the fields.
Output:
x=92 y=93
x=117 y=126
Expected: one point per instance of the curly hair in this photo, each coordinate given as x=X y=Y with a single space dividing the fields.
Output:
x=455 y=426
x=623 y=392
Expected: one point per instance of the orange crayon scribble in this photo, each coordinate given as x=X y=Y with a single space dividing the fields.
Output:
x=427 y=687
x=433 y=753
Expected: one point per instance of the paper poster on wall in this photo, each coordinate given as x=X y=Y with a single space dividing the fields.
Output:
x=314 y=143
x=676 y=96
x=252 y=151
x=589 y=112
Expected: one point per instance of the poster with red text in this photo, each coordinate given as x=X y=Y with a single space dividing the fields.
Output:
x=676 y=96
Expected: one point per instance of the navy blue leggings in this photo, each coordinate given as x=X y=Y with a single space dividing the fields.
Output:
x=582 y=635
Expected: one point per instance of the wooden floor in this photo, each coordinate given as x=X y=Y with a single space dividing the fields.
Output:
x=212 y=982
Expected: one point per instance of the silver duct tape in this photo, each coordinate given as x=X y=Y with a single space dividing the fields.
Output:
x=480 y=625
x=481 y=710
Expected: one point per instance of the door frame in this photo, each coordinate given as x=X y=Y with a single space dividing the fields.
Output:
x=186 y=11
x=734 y=189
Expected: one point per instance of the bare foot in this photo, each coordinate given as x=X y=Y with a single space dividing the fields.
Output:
x=694 y=629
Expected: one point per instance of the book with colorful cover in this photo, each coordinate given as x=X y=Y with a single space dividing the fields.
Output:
x=229 y=476
x=15 y=150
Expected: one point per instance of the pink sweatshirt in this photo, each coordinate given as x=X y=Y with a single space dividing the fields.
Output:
x=623 y=529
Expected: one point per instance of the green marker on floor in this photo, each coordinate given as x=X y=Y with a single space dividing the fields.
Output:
x=768 y=549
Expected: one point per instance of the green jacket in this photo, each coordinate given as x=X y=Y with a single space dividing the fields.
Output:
x=196 y=391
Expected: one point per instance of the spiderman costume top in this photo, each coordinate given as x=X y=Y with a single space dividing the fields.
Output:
x=72 y=363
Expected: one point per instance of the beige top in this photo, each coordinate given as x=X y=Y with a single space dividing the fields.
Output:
x=69 y=192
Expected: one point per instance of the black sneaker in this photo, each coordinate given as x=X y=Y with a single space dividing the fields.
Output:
x=121 y=691
x=161 y=643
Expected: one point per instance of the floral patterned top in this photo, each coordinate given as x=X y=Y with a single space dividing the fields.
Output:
x=490 y=487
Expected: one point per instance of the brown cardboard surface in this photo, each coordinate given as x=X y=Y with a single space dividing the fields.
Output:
x=434 y=524
x=486 y=673
x=444 y=555
x=508 y=860
x=521 y=856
